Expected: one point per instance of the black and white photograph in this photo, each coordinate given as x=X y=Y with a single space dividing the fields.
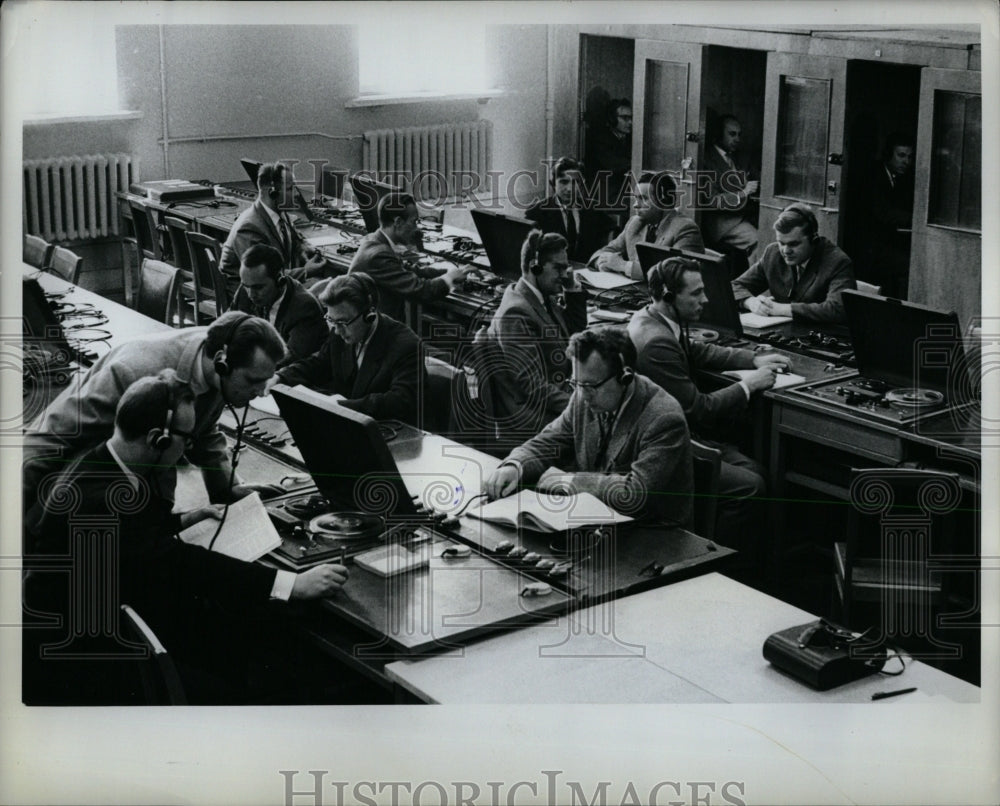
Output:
x=499 y=403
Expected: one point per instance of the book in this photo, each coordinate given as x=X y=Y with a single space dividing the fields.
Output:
x=247 y=533
x=602 y=279
x=755 y=321
x=544 y=512
x=781 y=379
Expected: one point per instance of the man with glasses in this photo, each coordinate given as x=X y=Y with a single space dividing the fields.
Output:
x=115 y=492
x=532 y=329
x=370 y=362
x=621 y=438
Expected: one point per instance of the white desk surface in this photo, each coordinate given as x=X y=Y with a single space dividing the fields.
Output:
x=699 y=640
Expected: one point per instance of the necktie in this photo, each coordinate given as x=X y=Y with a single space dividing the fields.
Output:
x=686 y=345
x=571 y=230
x=795 y=275
x=605 y=420
x=651 y=233
x=283 y=228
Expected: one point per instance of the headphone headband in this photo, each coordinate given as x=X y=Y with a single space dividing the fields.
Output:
x=220 y=361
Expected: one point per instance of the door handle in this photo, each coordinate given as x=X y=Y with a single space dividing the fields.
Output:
x=835 y=159
x=693 y=137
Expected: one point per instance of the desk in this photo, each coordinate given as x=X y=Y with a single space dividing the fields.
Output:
x=698 y=641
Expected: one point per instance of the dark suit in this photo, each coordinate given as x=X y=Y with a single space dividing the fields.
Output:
x=396 y=283
x=672 y=230
x=593 y=231
x=533 y=341
x=884 y=250
x=816 y=296
x=299 y=319
x=608 y=153
x=383 y=387
x=726 y=218
x=253 y=226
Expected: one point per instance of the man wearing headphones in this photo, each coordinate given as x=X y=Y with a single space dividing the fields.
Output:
x=379 y=256
x=669 y=358
x=266 y=222
x=532 y=329
x=656 y=221
x=370 y=362
x=621 y=438
x=266 y=291
x=160 y=577
x=801 y=275
x=227 y=363
x=569 y=213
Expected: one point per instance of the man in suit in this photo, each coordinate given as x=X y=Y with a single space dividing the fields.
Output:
x=268 y=292
x=801 y=275
x=227 y=363
x=113 y=492
x=888 y=218
x=666 y=356
x=729 y=213
x=656 y=221
x=566 y=212
x=621 y=438
x=608 y=157
x=266 y=222
x=532 y=329
x=380 y=257
x=370 y=362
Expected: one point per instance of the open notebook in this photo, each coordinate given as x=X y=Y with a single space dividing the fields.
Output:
x=781 y=379
x=247 y=534
x=755 y=321
x=542 y=512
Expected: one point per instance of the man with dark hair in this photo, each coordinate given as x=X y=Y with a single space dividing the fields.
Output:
x=379 y=256
x=266 y=291
x=801 y=275
x=608 y=157
x=227 y=363
x=532 y=329
x=266 y=222
x=729 y=212
x=167 y=581
x=887 y=202
x=656 y=221
x=568 y=213
x=370 y=362
x=621 y=438
x=666 y=356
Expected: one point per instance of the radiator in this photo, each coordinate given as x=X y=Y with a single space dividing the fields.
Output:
x=73 y=198
x=431 y=158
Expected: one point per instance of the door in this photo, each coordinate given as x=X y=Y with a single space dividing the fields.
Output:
x=946 y=258
x=803 y=139
x=668 y=114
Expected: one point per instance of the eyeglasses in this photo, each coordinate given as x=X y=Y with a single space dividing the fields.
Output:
x=341 y=324
x=584 y=387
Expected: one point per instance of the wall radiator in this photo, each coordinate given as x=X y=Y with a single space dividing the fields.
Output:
x=73 y=198
x=438 y=162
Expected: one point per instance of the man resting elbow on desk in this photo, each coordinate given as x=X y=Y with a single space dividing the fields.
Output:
x=801 y=275
x=370 y=362
x=623 y=438
x=656 y=221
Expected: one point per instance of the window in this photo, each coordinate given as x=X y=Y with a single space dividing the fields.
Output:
x=397 y=59
x=955 y=198
x=662 y=126
x=803 y=122
x=70 y=67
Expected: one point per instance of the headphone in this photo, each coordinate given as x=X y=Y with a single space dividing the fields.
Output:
x=534 y=247
x=220 y=360
x=806 y=216
x=369 y=290
x=625 y=373
x=162 y=438
x=670 y=273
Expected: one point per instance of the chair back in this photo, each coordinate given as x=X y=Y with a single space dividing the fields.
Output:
x=36 y=251
x=205 y=254
x=177 y=229
x=707 y=462
x=157 y=290
x=66 y=263
x=146 y=233
x=160 y=681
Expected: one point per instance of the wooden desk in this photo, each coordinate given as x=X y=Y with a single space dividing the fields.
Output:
x=696 y=641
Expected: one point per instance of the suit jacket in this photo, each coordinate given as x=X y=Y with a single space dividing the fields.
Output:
x=662 y=358
x=533 y=343
x=254 y=225
x=884 y=256
x=673 y=230
x=594 y=230
x=396 y=283
x=816 y=296
x=611 y=154
x=646 y=469
x=84 y=414
x=299 y=319
x=722 y=211
x=383 y=387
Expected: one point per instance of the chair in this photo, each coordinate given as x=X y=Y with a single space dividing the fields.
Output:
x=440 y=378
x=161 y=683
x=707 y=463
x=129 y=244
x=177 y=229
x=36 y=251
x=67 y=264
x=205 y=252
x=869 y=288
x=157 y=296
x=899 y=519
x=146 y=232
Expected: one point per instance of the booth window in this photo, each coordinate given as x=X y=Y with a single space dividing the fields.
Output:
x=955 y=199
x=803 y=123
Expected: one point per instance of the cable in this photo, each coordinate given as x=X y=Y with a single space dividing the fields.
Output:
x=232 y=472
